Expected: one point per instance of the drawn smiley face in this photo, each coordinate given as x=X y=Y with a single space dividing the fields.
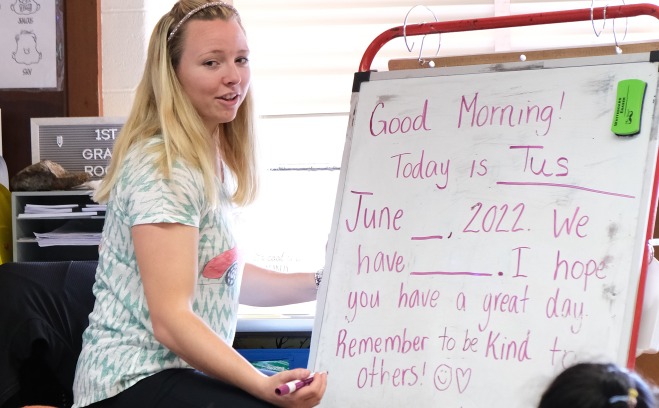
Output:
x=443 y=377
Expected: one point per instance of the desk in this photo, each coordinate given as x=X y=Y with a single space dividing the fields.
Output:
x=275 y=324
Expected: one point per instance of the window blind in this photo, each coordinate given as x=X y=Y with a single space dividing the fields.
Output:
x=305 y=52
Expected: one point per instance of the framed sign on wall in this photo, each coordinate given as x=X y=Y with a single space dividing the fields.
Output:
x=77 y=144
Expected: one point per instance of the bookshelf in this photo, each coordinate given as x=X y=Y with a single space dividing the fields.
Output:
x=26 y=246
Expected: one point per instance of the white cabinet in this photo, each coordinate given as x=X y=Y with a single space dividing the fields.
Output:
x=26 y=247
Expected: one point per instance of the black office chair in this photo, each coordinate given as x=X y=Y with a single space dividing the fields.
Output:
x=44 y=308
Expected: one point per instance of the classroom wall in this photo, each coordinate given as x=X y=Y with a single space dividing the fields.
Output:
x=125 y=29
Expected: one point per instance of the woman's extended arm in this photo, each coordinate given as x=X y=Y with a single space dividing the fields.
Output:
x=167 y=259
x=263 y=287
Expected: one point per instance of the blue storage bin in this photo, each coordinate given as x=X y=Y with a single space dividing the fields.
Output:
x=296 y=358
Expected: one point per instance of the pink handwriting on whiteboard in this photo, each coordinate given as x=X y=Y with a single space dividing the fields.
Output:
x=539 y=165
x=569 y=224
x=475 y=114
x=362 y=299
x=560 y=306
x=578 y=269
x=379 y=373
x=504 y=303
x=348 y=346
x=502 y=218
x=381 y=124
x=380 y=263
x=443 y=378
x=500 y=347
x=374 y=218
x=565 y=357
x=409 y=167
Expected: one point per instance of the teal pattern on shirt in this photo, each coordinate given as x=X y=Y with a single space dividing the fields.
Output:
x=119 y=348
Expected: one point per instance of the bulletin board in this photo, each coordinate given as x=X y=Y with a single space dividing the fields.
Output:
x=490 y=229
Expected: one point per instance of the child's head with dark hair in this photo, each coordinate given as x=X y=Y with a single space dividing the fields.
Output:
x=597 y=385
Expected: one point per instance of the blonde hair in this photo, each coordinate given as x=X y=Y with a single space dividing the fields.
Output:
x=162 y=108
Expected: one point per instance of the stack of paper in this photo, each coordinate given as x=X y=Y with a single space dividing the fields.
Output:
x=46 y=209
x=98 y=208
x=56 y=211
x=73 y=232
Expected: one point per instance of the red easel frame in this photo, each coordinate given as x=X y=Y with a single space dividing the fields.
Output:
x=521 y=20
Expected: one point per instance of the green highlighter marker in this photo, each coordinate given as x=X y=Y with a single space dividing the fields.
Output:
x=629 y=105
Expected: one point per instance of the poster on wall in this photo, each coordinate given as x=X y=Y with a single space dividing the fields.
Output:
x=28 y=44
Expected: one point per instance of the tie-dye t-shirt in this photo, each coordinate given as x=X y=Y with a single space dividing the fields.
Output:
x=119 y=348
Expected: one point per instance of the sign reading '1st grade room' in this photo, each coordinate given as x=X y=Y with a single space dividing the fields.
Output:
x=82 y=144
x=487 y=222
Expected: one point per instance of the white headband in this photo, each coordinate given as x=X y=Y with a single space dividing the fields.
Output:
x=195 y=11
x=630 y=398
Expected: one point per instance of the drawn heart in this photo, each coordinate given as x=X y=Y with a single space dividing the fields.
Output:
x=463 y=377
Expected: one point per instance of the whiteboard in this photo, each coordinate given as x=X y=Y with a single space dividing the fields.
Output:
x=489 y=230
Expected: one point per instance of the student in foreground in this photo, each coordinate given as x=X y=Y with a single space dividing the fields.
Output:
x=597 y=385
x=170 y=274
